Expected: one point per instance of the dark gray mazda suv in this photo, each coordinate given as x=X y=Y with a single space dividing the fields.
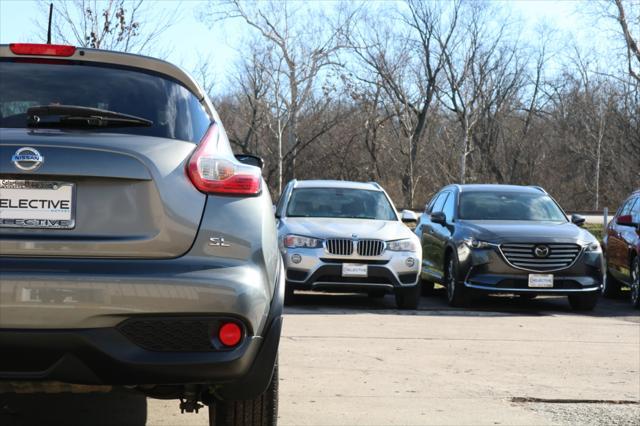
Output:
x=507 y=239
x=135 y=248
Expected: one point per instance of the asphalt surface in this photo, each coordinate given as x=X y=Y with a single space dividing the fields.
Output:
x=351 y=360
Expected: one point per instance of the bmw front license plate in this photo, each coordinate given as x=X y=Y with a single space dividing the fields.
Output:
x=354 y=270
x=36 y=204
x=541 y=280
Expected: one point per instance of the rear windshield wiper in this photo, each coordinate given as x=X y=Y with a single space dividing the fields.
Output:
x=81 y=116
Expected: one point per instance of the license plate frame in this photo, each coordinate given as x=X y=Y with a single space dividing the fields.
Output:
x=43 y=218
x=355 y=270
x=540 y=280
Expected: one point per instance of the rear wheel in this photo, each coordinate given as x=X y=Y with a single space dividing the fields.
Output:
x=610 y=286
x=408 y=298
x=262 y=411
x=584 y=301
x=635 y=282
x=457 y=294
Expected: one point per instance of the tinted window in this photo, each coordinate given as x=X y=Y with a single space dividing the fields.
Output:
x=176 y=113
x=635 y=211
x=449 y=206
x=626 y=208
x=509 y=206
x=439 y=204
x=340 y=203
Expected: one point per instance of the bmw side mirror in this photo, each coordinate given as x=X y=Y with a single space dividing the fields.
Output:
x=409 y=217
x=578 y=220
x=252 y=160
x=439 y=217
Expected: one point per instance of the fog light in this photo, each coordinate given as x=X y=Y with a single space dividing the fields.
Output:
x=296 y=258
x=230 y=334
x=410 y=261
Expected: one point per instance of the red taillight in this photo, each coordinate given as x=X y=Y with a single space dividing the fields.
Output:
x=215 y=174
x=42 y=49
x=230 y=334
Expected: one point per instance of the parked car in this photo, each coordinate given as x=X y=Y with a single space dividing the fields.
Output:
x=136 y=250
x=507 y=239
x=347 y=237
x=622 y=250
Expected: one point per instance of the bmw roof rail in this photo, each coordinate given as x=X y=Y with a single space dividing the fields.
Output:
x=376 y=184
x=541 y=189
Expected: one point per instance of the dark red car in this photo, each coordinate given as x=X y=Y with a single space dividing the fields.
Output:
x=622 y=245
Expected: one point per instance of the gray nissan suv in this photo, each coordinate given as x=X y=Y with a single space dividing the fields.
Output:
x=342 y=236
x=135 y=248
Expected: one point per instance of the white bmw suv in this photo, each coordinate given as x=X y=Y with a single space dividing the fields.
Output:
x=340 y=236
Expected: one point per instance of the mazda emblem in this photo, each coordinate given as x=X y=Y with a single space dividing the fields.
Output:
x=541 y=251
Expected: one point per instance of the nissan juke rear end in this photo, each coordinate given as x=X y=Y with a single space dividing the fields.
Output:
x=135 y=249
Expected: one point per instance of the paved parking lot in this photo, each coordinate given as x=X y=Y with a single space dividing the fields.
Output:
x=350 y=360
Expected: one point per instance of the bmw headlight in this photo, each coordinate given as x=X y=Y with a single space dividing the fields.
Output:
x=477 y=244
x=299 y=241
x=402 y=245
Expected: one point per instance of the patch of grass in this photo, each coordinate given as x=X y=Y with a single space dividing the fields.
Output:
x=595 y=229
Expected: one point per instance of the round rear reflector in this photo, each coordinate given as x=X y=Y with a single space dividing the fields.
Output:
x=230 y=334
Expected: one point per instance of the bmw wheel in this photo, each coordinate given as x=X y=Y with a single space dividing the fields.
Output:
x=635 y=282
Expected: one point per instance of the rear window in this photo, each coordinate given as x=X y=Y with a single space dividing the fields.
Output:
x=175 y=112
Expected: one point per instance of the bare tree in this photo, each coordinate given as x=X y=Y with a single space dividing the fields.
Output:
x=407 y=66
x=628 y=24
x=307 y=50
x=123 y=25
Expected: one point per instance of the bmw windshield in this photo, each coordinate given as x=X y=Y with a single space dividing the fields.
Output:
x=340 y=203
x=517 y=206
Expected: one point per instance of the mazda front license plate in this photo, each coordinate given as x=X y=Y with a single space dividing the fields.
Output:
x=36 y=204
x=541 y=280
x=354 y=270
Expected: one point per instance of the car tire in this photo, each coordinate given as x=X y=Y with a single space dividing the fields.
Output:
x=289 y=295
x=611 y=288
x=261 y=411
x=427 y=288
x=584 y=302
x=457 y=294
x=635 y=282
x=408 y=298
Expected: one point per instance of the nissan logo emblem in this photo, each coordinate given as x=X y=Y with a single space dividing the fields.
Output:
x=27 y=159
x=541 y=251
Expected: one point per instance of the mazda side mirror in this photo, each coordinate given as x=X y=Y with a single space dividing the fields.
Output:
x=409 y=217
x=578 y=220
x=252 y=160
x=439 y=217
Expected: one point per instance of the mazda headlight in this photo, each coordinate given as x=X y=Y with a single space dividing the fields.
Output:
x=402 y=245
x=593 y=247
x=478 y=244
x=298 y=241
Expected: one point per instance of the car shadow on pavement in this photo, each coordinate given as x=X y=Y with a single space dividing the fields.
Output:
x=99 y=409
x=436 y=304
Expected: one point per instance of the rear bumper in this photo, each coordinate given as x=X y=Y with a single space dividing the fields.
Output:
x=106 y=356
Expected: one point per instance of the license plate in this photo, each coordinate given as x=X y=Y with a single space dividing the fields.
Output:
x=541 y=280
x=36 y=204
x=354 y=270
